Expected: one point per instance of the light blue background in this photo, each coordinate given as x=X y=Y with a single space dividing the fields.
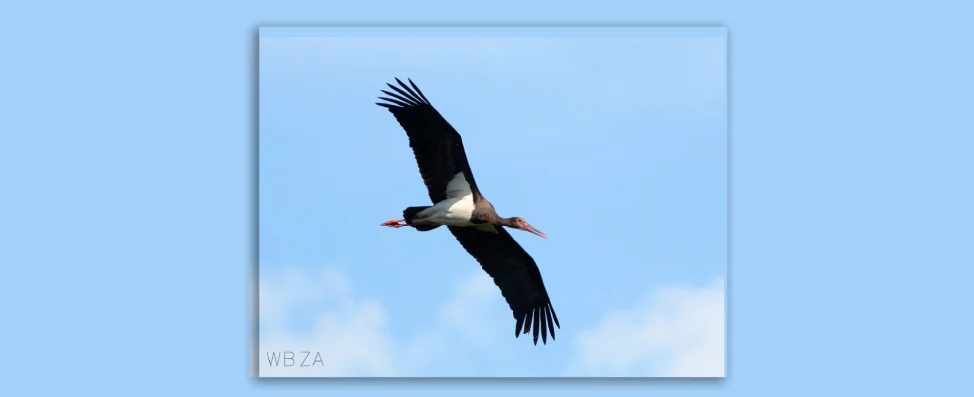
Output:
x=126 y=164
x=580 y=131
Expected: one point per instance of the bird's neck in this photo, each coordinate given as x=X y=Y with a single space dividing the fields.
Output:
x=509 y=222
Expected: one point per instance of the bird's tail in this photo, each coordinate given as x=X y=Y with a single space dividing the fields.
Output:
x=410 y=212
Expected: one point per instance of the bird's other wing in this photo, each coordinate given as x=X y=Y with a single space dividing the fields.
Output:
x=515 y=273
x=436 y=144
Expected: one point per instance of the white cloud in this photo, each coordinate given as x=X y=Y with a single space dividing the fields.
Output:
x=473 y=298
x=678 y=332
x=351 y=335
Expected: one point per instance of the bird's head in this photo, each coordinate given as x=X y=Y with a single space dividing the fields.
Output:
x=521 y=224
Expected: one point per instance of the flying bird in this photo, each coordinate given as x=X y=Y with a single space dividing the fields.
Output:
x=460 y=206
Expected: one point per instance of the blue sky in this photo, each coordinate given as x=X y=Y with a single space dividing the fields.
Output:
x=613 y=143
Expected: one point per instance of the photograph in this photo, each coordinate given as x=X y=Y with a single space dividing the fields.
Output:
x=487 y=200
x=505 y=202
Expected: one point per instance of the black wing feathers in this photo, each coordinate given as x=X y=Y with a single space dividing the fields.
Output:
x=436 y=145
x=516 y=274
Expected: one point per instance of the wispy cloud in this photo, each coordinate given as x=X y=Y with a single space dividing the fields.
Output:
x=349 y=338
x=350 y=335
x=677 y=332
x=472 y=298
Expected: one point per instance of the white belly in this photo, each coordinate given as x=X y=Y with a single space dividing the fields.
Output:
x=454 y=211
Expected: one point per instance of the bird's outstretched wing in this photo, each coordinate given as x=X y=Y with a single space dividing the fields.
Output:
x=516 y=274
x=436 y=144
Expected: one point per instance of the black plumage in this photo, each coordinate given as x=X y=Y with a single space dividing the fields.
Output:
x=440 y=155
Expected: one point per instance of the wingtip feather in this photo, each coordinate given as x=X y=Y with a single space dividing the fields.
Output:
x=544 y=324
x=517 y=327
x=406 y=96
x=551 y=327
x=535 y=318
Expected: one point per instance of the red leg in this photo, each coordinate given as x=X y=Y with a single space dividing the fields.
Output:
x=394 y=223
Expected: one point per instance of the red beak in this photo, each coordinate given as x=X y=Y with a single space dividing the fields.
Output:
x=529 y=228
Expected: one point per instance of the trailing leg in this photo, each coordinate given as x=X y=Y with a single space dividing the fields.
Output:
x=410 y=213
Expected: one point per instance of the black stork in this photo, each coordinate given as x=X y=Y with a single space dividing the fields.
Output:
x=459 y=204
